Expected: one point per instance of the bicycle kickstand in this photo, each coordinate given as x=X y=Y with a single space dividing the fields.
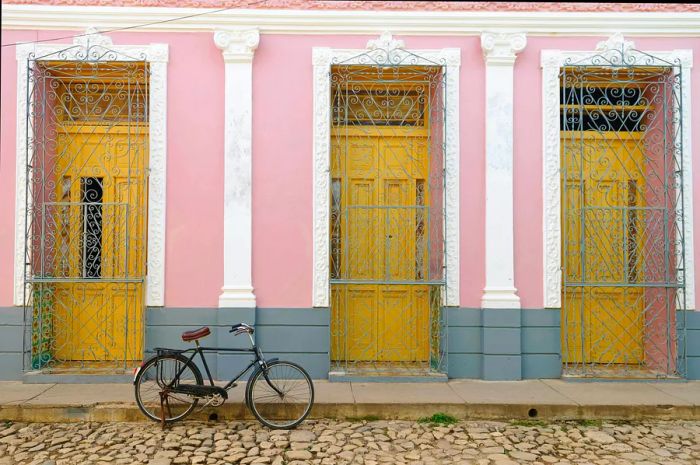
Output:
x=163 y=400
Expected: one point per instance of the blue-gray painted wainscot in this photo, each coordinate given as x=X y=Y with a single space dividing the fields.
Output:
x=11 y=325
x=692 y=334
x=503 y=344
x=482 y=343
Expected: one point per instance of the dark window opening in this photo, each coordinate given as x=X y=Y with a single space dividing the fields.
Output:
x=91 y=227
x=590 y=106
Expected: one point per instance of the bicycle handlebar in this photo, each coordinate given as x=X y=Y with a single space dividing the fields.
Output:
x=241 y=328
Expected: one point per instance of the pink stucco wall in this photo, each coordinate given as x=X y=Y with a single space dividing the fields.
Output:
x=282 y=163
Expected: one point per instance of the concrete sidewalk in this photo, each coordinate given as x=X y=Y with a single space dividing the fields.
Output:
x=464 y=399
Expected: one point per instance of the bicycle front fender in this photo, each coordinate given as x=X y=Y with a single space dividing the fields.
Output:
x=248 y=386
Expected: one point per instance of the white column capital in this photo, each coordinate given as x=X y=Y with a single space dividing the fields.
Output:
x=501 y=48
x=237 y=45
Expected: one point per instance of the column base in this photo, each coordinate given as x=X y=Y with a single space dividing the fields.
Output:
x=237 y=297
x=500 y=298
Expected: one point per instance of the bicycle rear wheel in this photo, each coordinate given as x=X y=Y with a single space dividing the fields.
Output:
x=159 y=372
x=281 y=395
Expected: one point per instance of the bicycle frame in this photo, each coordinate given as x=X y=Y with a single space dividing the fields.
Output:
x=259 y=360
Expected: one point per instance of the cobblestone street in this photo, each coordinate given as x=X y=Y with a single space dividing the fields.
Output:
x=362 y=442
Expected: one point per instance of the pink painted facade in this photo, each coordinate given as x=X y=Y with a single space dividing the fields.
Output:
x=283 y=157
x=282 y=204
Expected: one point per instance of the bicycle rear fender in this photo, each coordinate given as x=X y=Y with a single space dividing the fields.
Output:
x=159 y=351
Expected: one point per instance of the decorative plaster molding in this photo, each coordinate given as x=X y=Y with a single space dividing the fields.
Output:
x=237 y=45
x=322 y=59
x=615 y=43
x=385 y=42
x=92 y=36
x=295 y=21
x=238 y=48
x=94 y=43
x=551 y=62
x=502 y=48
x=385 y=5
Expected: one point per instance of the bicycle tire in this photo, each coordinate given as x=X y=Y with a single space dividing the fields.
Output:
x=146 y=374
x=279 y=413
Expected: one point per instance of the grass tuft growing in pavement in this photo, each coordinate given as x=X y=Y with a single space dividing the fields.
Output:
x=587 y=422
x=364 y=418
x=528 y=423
x=439 y=419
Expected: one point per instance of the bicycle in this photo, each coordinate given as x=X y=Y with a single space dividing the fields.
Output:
x=169 y=386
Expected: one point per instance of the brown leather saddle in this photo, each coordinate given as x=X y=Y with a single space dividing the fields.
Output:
x=196 y=334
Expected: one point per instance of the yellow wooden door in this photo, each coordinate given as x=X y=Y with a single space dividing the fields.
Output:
x=601 y=240
x=378 y=316
x=100 y=231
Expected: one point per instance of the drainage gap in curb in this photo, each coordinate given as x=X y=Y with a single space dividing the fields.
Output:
x=532 y=413
x=213 y=417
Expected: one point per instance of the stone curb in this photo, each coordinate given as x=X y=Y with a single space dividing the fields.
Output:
x=129 y=412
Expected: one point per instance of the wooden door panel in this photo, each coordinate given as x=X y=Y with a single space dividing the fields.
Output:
x=381 y=182
x=93 y=316
x=399 y=231
x=363 y=244
x=605 y=317
x=397 y=324
x=362 y=303
x=616 y=326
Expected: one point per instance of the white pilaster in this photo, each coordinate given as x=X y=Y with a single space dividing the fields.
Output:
x=238 y=48
x=500 y=50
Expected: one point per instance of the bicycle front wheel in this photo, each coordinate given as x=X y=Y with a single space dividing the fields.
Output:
x=155 y=375
x=281 y=395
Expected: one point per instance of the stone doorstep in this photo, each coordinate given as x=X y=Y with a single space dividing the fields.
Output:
x=113 y=412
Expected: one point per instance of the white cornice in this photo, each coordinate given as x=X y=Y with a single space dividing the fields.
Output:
x=353 y=22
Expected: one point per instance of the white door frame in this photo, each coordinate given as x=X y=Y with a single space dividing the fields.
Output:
x=157 y=57
x=552 y=61
x=323 y=58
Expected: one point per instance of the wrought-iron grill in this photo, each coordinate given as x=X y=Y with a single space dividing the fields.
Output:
x=87 y=152
x=622 y=216
x=387 y=214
